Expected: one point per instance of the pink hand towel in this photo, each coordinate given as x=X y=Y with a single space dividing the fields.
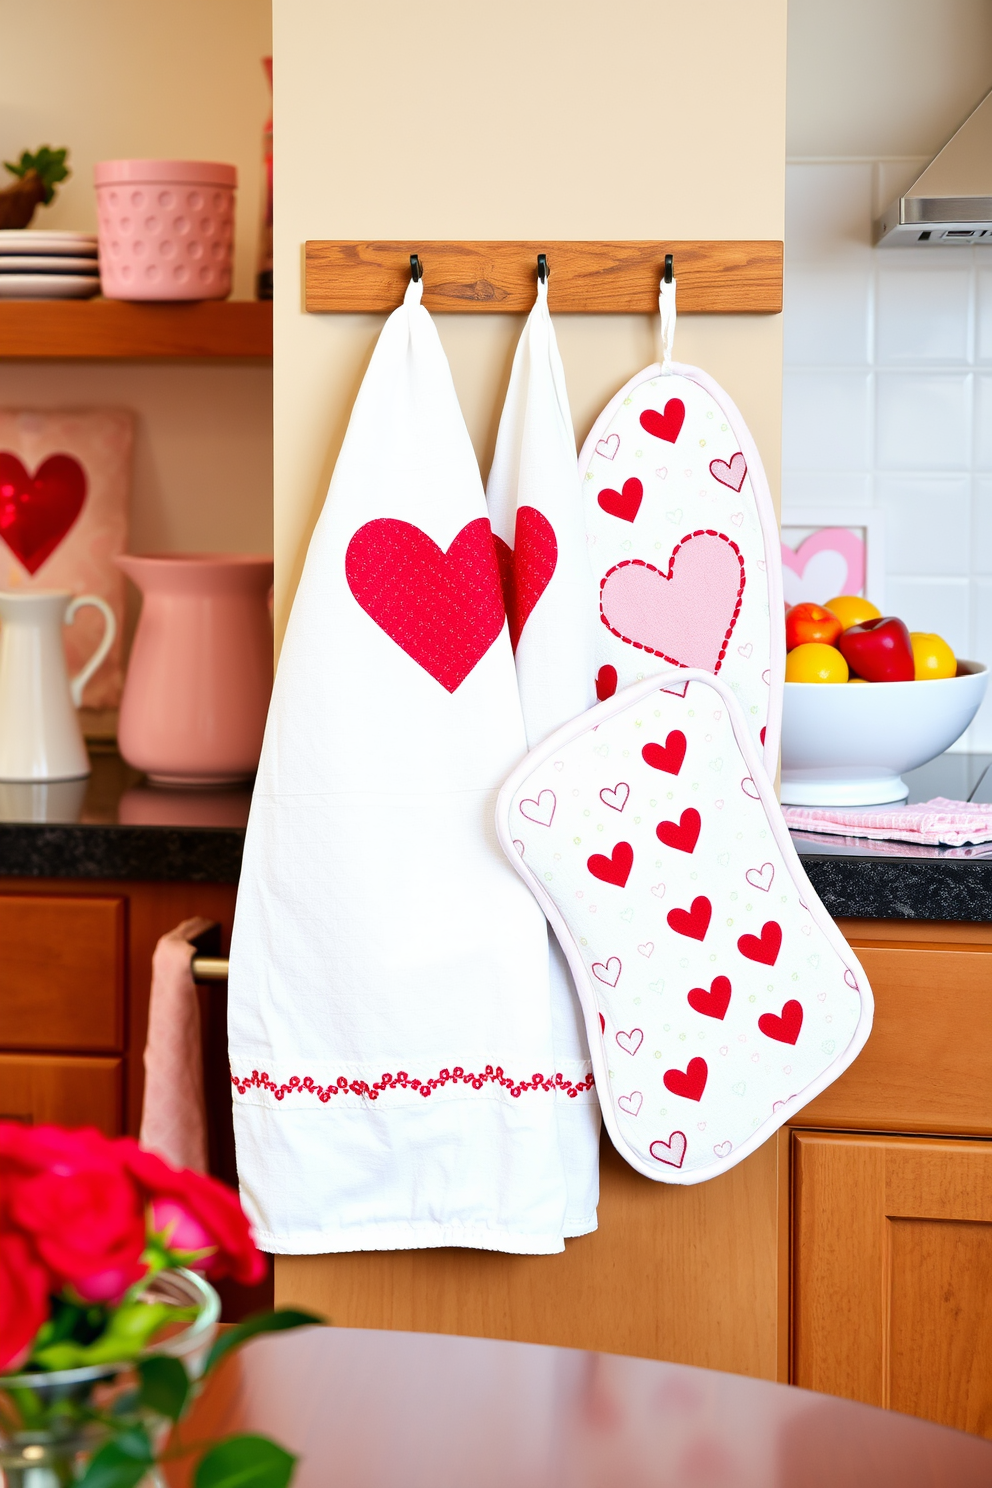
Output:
x=938 y=822
x=173 y=1116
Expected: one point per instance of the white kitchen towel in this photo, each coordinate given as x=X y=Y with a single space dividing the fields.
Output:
x=719 y=995
x=683 y=540
x=535 y=506
x=390 y=1023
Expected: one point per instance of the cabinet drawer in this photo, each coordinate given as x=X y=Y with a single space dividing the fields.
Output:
x=61 y=972
x=43 y=1088
x=927 y=1066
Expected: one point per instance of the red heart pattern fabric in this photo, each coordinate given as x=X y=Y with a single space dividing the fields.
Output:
x=624 y=504
x=614 y=869
x=667 y=756
x=718 y=994
x=444 y=608
x=606 y=683
x=666 y=425
x=527 y=568
x=37 y=511
x=684 y=542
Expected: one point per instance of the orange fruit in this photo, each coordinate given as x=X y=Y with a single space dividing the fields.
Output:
x=932 y=656
x=815 y=662
x=851 y=609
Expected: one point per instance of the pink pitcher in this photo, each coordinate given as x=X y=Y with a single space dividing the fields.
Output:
x=198 y=682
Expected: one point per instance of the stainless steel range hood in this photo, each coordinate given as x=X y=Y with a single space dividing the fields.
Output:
x=952 y=200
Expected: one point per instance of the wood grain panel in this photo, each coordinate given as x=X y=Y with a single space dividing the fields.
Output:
x=61 y=972
x=915 y=932
x=117 y=330
x=717 y=278
x=927 y=1066
x=892 y=1255
x=62 y=1089
x=686 y=1274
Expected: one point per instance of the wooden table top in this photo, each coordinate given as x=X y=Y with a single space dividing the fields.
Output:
x=370 y=1409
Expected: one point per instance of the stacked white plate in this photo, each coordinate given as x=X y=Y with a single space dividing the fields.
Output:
x=37 y=265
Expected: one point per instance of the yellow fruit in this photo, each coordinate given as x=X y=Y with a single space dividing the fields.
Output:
x=932 y=655
x=815 y=662
x=862 y=680
x=851 y=609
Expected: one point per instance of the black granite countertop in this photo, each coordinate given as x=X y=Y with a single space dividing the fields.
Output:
x=115 y=824
x=902 y=881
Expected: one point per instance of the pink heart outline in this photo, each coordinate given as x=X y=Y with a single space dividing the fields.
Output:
x=674 y=1147
x=731 y=473
x=838 y=540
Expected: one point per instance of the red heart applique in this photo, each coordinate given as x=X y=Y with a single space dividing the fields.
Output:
x=690 y=1082
x=693 y=922
x=606 y=682
x=444 y=609
x=683 y=834
x=36 y=511
x=715 y=1002
x=665 y=425
x=525 y=570
x=667 y=756
x=624 y=504
x=686 y=615
x=615 y=869
x=764 y=947
x=784 y=1029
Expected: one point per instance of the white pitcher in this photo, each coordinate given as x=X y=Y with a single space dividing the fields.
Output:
x=40 y=737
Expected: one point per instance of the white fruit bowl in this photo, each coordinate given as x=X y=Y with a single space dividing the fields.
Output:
x=847 y=745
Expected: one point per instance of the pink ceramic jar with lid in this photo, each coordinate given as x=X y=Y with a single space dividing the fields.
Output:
x=166 y=229
x=200 y=674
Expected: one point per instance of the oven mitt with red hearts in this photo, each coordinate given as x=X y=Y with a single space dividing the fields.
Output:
x=719 y=997
x=683 y=540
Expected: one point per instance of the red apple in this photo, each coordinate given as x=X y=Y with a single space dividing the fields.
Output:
x=879 y=650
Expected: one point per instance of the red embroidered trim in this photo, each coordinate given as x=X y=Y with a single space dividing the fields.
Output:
x=402 y=1081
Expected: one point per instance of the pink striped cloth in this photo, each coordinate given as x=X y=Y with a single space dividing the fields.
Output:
x=939 y=823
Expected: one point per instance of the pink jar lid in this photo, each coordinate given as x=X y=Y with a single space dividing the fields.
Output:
x=162 y=172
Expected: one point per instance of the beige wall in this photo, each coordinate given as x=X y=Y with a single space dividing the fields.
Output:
x=448 y=119
x=875 y=78
x=114 y=78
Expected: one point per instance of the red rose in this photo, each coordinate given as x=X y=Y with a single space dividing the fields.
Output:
x=192 y=1207
x=69 y=1192
x=23 y=1299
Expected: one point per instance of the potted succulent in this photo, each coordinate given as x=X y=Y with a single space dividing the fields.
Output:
x=107 y=1320
x=37 y=176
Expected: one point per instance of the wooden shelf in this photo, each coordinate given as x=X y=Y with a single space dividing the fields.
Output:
x=118 y=330
x=716 y=278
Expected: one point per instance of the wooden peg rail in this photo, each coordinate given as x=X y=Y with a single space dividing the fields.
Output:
x=714 y=278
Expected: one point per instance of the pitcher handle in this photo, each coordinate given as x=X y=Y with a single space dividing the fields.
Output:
x=81 y=678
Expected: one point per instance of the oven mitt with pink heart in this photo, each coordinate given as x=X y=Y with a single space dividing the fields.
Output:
x=719 y=997
x=683 y=540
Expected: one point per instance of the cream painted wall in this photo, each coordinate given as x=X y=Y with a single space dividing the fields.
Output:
x=447 y=119
x=874 y=78
x=111 y=78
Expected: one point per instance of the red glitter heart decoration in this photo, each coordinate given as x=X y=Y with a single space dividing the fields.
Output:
x=36 y=511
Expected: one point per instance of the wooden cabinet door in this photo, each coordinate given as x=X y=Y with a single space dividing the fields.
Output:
x=892 y=1274
x=61 y=972
x=51 y=1088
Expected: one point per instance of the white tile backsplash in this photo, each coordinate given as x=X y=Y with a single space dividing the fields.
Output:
x=916 y=545
x=826 y=420
x=888 y=396
x=922 y=313
x=923 y=421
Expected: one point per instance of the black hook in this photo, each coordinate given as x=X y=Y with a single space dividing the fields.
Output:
x=543 y=272
x=669 y=262
x=416 y=271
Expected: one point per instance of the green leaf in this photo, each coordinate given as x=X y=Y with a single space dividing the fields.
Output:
x=245 y=1462
x=121 y=1462
x=164 y=1385
x=260 y=1322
